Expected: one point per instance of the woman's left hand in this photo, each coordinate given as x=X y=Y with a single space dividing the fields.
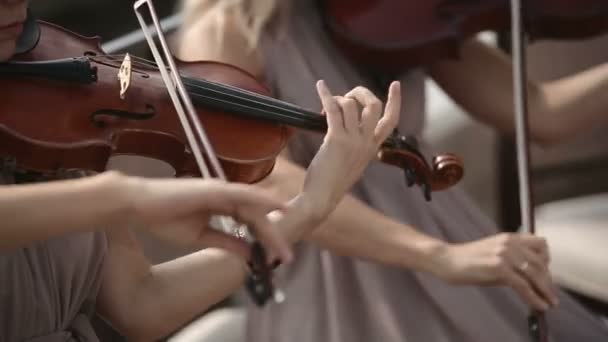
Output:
x=356 y=129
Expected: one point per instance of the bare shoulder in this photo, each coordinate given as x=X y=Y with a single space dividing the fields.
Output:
x=217 y=40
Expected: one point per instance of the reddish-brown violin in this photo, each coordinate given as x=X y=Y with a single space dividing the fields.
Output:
x=65 y=104
x=395 y=35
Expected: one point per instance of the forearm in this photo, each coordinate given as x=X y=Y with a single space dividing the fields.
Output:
x=176 y=292
x=35 y=212
x=354 y=229
x=149 y=302
x=481 y=82
x=575 y=104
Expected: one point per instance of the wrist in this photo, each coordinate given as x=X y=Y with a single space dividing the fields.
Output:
x=441 y=262
x=314 y=210
x=317 y=208
x=120 y=190
x=432 y=256
x=301 y=216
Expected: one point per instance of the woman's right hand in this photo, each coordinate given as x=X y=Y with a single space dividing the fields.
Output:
x=519 y=261
x=179 y=211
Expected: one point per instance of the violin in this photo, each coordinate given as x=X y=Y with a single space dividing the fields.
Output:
x=77 y=107
x=395 y=35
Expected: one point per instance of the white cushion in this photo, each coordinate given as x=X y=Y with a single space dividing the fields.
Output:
x=577 y=234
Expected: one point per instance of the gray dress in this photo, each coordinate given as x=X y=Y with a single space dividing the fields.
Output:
x=332 y=298
x=48 y=289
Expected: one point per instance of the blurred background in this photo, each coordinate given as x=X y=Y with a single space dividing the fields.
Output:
x=568 y=180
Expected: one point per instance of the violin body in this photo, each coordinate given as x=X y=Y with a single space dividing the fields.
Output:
x=399 y=34
x=395 y=35
x=66 y=125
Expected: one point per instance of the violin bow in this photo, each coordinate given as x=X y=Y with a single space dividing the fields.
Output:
x=259 y=283
x=537 y=325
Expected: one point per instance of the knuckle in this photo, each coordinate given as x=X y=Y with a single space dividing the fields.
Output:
x=506 y=239
x=501 y=252
x=376 y=104
x=349 y=102
x=544 y=243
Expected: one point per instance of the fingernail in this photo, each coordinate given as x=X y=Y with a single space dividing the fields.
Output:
x=275 y=264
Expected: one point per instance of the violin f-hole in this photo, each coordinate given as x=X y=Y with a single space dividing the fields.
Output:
x=102 y=117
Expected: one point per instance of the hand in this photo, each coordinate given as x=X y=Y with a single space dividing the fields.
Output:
x=519 y=261
x=179 y=210
x=356 y=129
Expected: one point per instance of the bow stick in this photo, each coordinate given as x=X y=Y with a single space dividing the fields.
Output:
x=259 y=283
x=537 y=325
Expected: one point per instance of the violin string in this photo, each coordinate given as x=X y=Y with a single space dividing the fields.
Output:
x=239 y=93
x=249 y=100
x=234 y=102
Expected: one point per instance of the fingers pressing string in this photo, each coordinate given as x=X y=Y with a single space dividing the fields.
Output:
x=391 y=113
x=350 y=114
x=335 y=121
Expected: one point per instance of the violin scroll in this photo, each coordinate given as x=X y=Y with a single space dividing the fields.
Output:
x=402 y=151
x=448 y=170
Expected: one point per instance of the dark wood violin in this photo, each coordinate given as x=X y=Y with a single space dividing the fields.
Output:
x=394 y=35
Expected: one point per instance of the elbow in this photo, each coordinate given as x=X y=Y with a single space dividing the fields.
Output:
x=545 y=128
x=144 y=329
x=545 y=135
x=134 y=316
x=132 y=331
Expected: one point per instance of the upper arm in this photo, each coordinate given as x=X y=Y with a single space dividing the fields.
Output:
x=480 y=81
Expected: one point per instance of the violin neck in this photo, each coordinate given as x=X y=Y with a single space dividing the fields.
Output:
x=75 y=70
x=252 y=105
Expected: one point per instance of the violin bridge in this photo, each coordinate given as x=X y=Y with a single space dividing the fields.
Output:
x=124 y=76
